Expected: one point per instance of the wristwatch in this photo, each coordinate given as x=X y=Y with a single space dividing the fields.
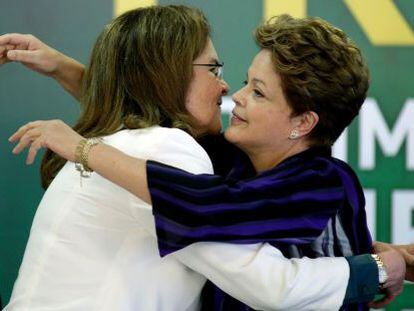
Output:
x=382 y=271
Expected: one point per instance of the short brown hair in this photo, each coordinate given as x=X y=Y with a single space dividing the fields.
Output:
x=321 y=70
x=138 y=75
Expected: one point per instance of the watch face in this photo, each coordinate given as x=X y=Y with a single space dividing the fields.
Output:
x=382 y=275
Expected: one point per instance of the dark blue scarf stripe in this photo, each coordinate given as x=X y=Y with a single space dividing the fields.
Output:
x=288 y=205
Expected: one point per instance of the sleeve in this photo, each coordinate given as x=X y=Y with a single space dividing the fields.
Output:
x=278 y=283
x=363 y=282
x=290 y=205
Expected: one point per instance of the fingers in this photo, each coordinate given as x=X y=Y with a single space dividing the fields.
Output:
x=25 y=140
x=409 y=258
x=3 y=60
x=23 y=129
x=6 y=47
x=381 y=247
x=10 y=38
x=29 y=51
x=396 y=270
x=409 y=275
x=12 y=44
x=3 y=53
x=28 y=135
x=22 y=56
x=396 y=289
x=407 y=251
x=382 y=302
x=52 y=134
x=16 y=39
x=34 y=148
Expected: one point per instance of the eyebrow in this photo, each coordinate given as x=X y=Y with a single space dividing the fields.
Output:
x=259 y=81
x=214 y=60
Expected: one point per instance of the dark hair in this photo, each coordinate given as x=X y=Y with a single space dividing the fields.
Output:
x=321 y=70
x=138 y=75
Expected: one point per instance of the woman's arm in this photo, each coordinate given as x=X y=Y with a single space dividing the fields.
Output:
x=43 y=59
x=259 y=276
x=258 y=204
x=126 y=171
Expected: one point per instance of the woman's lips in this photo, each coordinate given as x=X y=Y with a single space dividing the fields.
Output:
x=235 y=118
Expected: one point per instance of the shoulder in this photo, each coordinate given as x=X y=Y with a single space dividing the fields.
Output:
x=164 y=134
x=337 y=172
x=154 y=134
x=177 y=148
x=347 y=173
x=169 y=146
x=308 y=164
x=343 y=166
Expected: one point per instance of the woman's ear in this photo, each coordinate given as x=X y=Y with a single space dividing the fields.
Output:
x=306 y=122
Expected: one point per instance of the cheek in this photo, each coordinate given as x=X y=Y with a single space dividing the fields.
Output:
x=202 y=101
x=264 y=118
x=203 y=112
x=210 y=115
x=271 y=123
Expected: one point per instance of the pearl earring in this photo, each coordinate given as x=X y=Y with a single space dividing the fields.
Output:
x=294 y=134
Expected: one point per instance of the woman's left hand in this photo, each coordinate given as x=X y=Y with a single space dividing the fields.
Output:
x=53 y=134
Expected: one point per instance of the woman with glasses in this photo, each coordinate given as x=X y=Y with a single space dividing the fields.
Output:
x=94 y=155
x=88 y=248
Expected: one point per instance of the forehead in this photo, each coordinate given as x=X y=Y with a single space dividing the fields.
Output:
x=262 y=63
x=262 y=68
x=209 y=53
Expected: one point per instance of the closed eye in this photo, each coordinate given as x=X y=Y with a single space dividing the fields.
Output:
x=257 y=93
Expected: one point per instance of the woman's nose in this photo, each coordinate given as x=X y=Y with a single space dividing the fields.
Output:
x=237 y=98
x=225 y=87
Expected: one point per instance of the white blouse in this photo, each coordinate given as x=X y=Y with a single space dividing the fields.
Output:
x=87 y=249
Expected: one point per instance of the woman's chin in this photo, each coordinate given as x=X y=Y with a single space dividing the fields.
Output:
x=231 y=134
x=216 y=128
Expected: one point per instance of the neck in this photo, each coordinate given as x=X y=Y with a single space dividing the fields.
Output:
x=266 y=159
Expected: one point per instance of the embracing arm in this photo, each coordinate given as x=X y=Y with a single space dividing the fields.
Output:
x=39 y=57
x=130 y=173
x=249 y=269
x=262 y=278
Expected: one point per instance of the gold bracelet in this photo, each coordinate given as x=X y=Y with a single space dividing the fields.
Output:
x=91 y=142
x=79 y=150
x=82 y=154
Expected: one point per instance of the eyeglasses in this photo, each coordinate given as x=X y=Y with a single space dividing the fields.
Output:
x=217 y=68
